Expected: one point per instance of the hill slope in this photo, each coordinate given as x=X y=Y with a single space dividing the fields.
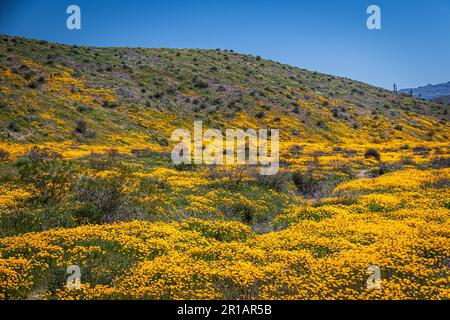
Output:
x=443 y=99
x=134 y=97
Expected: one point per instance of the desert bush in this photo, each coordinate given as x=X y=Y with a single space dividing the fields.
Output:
x=321 y=124
x=99 y=162
x=110 y=105
x=296 y=149
x=198 y=83
x=407 y=161
x=260 y=115
x=277 y=182
x=83 y=108
x=33 y=85
x=440 y=162
x=186 y=167
x=4 y=155
x=18 y=221
x=112 y=153
x=151 y=185
x=13 y=126
x=232 y=177
x=81 y=127
x=372 y=154
x=3 y=106
x=421 y=150
x=47 y=176
x=101 y=199
x=244 y=210
x=32 y=217
x=384 y=168
x=342 y=166
x=438 y=182
x=349 y=153
x=306 y=183
x=37 y=154
x=404 y=147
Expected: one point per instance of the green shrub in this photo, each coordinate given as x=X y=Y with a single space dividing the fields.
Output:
x=231 y=178
x=407 y=161
x=110 y=105
x=33 y=217
x=438 y=183
x=315 y=185
x=49 y=178
x=81 y=127
x=101 y=199
x=305 y=182
x=244 y=210
x=13 y=126
x=260 y=115
x=277 y=182
x=372 y=154
x=440 y=162
x=384 y=168
x=4 y=155
x=185 y=167
x=201 y=84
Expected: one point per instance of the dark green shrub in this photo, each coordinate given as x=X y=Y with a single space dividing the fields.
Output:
x=438 y=183
x=110 y=105
x=260 y=115
x=101 y=199
x=48 y=176
x=185 y=167
x=440 y=162
x=306 y=184
x=372 y=154
x=13 y=126
x=384 y=168
x=277 y=182
x=244 y=210
x=198 y=83
x=4 y=155
x=83 y=108
x=81 y=127
x=407 y=161
x=230 y=178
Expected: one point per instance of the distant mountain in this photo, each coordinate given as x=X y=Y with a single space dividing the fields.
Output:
x=429 y=92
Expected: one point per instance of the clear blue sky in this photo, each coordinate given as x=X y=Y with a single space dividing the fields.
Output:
x=330 y=36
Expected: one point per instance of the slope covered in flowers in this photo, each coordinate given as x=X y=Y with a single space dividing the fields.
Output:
x=322 y=252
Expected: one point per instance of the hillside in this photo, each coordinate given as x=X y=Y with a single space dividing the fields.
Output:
x=86 y=180
x=443 y=99
x=134 y=97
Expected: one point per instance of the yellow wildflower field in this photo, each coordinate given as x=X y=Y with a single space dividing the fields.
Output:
x=321 y=253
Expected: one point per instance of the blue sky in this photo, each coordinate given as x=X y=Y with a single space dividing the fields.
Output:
x=330 y=36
